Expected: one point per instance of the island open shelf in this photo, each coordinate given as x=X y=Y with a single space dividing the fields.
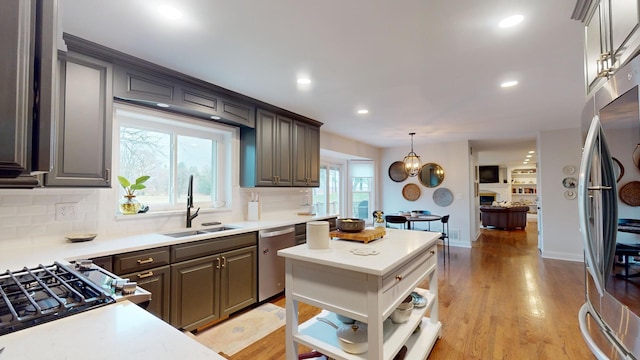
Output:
x=367 y=289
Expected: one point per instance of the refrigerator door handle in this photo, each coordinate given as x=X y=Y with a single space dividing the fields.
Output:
x=583 y=203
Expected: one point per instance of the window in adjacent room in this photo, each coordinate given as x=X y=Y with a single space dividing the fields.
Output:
x=327 y=197
x=362 y=188
x=169 y=148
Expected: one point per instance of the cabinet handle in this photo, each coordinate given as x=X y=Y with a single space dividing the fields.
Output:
x=398 y=277
x=224 y=262
x=145 y=275
x=145 y=261
x=107 y=175
x=217 y=263
x=433 y=252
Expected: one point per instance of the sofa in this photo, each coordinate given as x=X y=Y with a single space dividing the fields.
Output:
x=508 y=218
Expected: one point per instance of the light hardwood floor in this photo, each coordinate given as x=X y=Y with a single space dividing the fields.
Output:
x=498 y=300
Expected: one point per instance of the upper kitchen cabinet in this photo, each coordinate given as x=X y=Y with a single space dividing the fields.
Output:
x=306 y=154
x=27 y=75
x=83 y=131
x=150 y=89
x=282 y=150
x=266 y=151
x=611 y=36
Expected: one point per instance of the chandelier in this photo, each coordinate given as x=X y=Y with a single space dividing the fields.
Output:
x=412 y=161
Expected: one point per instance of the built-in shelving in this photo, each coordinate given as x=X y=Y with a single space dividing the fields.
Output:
x=524 y=188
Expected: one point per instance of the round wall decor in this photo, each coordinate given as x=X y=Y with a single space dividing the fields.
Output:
x=397 y=172
x=570 y=182
x=569 y=170
x=630 y=193
x=411 y=192
x=442 y=197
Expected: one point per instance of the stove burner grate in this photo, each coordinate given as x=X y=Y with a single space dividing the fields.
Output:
x=32 y=296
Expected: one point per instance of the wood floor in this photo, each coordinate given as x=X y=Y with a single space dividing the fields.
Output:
x=498 y=300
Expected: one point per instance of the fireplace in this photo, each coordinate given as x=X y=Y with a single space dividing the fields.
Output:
x=487 y=197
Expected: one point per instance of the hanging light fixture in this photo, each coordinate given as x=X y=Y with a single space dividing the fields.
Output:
x=412 y=161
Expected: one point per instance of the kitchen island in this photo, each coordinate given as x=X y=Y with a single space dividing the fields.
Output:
x=366 y=288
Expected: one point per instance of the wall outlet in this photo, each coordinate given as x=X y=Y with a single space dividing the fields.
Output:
x=66 y=211
x=454 y=234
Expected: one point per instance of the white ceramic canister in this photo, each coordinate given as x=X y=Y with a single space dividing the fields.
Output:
x=318 y=234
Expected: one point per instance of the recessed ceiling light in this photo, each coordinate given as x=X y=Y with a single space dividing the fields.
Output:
x=532 y=152
x=162 y=105
x=169 y=12
x=509 y=83
x=525 y=162
x=529 y=156
x=304 y=81
x=214 y=117
x=363 y=111
x=511 y=21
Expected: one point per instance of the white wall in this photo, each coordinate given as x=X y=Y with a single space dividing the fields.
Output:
x=560 y=237
x=455 y=160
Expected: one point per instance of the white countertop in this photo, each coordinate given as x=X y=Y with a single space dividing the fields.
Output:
x=393 y=249
x=33 y=254
x=117 y=331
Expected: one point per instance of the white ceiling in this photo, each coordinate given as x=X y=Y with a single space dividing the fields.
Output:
x=433 y=67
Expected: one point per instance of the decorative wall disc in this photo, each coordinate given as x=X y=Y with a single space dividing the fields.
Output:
x=411 y=192
x=442 y=197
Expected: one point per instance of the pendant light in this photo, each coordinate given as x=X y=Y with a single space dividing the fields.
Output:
x=412 y=161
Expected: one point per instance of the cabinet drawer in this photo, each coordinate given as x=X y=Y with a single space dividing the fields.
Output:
x=401 y=280
x=198 y=249
x=140 y=260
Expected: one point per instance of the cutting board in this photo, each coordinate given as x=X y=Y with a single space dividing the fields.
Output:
x=365 y=235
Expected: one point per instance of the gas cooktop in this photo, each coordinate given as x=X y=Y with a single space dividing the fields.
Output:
x=32 y=296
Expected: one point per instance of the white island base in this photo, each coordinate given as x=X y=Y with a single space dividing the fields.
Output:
x=364 y=288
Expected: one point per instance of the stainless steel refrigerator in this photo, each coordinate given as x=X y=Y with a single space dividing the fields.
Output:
x=609 y=208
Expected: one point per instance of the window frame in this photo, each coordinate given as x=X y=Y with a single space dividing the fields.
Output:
x=178 y=125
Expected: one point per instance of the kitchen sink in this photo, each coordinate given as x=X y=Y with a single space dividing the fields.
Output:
x=201 y=231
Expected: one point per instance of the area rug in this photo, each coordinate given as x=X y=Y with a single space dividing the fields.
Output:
x=239 y=332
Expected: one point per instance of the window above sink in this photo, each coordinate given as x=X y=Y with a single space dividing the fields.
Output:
x=170 y=147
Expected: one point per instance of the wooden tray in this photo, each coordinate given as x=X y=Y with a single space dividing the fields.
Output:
x=365 y=235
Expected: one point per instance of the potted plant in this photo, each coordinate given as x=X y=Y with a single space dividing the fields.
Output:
x=129 y=205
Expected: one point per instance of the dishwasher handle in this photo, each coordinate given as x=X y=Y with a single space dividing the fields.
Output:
x=266 y=233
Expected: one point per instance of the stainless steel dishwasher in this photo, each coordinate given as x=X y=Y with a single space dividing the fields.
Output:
x=270 y=265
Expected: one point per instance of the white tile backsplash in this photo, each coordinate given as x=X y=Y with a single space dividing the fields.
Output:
x=30 y=215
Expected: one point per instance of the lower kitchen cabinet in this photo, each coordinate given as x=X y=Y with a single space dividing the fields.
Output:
x=157 y=281
x=238 y=280
x=195 y=286
x=212 y=287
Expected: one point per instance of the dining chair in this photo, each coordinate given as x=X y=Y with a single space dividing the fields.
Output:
x=396 y=219
x=444 y=236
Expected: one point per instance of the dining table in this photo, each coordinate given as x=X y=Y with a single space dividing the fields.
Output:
x=429 y=218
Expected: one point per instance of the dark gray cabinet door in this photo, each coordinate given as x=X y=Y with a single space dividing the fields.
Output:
x=306 y=154
x=26 y=93
x=273 y=150
x=238 y=280
x=195 y=289
x=83 y=131
x=16 y=97
x=157 y=281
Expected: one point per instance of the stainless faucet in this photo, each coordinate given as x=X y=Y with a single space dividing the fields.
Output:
x=190 y=203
